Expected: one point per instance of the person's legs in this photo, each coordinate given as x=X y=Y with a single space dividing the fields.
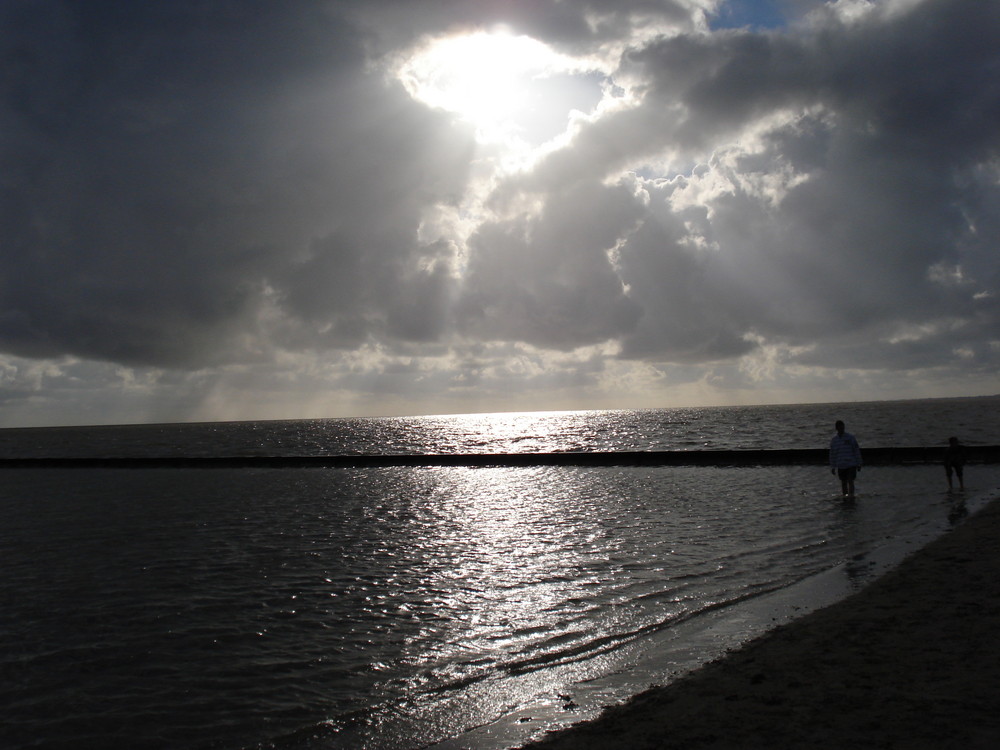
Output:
x=847 y=481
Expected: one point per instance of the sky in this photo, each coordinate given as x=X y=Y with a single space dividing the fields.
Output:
x=242 y=209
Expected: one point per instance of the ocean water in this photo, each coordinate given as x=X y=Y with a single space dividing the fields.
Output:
x=406 y=607
x=877 y=424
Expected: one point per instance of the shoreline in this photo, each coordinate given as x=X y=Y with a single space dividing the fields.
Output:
x=911 y=660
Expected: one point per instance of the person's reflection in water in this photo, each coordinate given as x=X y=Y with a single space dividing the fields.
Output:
x=957 y=511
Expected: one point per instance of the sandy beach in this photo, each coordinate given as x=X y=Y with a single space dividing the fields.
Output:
x=911 y=661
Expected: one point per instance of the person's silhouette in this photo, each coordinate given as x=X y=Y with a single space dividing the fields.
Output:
x=954 y=462
x=845 y=459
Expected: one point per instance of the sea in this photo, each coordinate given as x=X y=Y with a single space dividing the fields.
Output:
x=430 y=606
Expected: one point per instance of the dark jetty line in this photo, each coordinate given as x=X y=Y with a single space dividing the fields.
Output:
x=817 y=456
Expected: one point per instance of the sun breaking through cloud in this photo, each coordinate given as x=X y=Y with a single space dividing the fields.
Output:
x=510 y=88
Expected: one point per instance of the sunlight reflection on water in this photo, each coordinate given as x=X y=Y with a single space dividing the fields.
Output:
x=903 y=423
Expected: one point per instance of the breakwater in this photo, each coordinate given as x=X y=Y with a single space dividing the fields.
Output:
x=818 y=456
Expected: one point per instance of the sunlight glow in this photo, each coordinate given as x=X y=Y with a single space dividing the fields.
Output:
x=506 y=86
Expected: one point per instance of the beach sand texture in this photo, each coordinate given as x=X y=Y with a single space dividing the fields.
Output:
x=911 y=661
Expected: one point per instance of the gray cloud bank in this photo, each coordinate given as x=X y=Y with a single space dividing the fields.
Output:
x=195 y=193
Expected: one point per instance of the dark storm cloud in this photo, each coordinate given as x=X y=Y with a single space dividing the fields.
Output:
x=549 y=281
x=171 y=169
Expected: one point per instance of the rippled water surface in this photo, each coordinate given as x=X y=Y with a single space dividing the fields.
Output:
x=394 y=607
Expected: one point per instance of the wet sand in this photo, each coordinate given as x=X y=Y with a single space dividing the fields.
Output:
x=911 y=661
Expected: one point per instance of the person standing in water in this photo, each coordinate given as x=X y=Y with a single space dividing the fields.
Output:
x=954 y=461
x=845 y=459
